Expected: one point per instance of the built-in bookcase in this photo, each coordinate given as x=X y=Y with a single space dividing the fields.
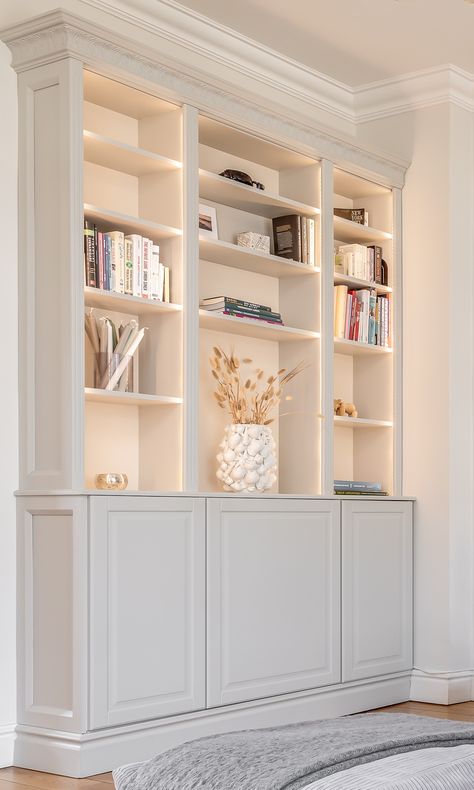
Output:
x=142 y=164
x=363 y=374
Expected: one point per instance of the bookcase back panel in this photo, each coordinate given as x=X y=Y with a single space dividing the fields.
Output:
x=231 y=221
x=373 y=386
x=112 y=189
x=160 y=198
x=380 y=211
x=302 y=184
x=300 y=421
x=344 y=377
x=111 y=124
x=160 y=453
x=112 y=442
x=300 y=301
x=161 y=355
x=216 y=280
x=212 y=419
x=216 y=161
x=163 y=134
x=344 y=454
x=373 y=456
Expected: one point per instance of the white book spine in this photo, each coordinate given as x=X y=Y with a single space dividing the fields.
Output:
x=136 y=263
x=166 y=289
x=155 y=274
x=128 y=252
x=161 y=282
x=117 y=261
x=146 y=264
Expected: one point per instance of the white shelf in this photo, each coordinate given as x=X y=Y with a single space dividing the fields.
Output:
x=257 y=201
x=129 y=398
x=116 y=155
x=250 y=327
x=355 y=282
x=355 y=347
x=227 y=254
x=109 y=300
x=130 y=224
x=354 y=233
x=360 y=423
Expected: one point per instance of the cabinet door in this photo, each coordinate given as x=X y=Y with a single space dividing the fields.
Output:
x=147 y=577
x=273 y=597
x=376 y=588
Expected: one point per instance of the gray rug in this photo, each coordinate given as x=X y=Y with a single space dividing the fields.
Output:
x=291 y=756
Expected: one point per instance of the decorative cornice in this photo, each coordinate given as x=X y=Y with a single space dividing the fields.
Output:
x=414 y=91
x=59 y=34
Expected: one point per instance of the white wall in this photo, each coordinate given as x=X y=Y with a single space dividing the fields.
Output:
x=438 y=207
x=8 y=401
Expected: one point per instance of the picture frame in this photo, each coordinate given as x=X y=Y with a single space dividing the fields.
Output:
x=207 y=221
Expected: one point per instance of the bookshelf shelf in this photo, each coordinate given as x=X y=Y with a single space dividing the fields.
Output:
x=358 y=423
x=228 y=254
x=129 y=398
x=353 y=233
x=256 y=201
x=354 y=282
x=109 y=300
x=249 y=327
x=114 y=154
x=129 y=224
x=355 y=348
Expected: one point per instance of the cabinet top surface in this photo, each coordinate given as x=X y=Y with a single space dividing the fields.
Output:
x=211 y=495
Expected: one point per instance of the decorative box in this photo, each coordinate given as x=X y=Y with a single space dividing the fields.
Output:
x=257 y=241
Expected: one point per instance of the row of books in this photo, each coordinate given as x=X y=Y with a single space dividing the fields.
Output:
x=361 y=315
x=124 y=264
x=358 y=488
x=227 y=305
x=293 y=237
x=365 y=263
x=359 y=215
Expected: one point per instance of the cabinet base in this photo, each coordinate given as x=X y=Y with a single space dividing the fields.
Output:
x=72 y=754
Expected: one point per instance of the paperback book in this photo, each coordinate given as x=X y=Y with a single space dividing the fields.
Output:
x=227 y=305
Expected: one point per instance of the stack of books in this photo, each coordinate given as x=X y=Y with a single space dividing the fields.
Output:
x=293 y=237
x=124 y=264
x=227 y=305
x=358 y=488
x=357 y=260
x=361 y=315
x=359 y=215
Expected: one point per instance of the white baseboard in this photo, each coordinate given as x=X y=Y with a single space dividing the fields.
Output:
x=83 y=755
x=7 y=741
x=442 y=688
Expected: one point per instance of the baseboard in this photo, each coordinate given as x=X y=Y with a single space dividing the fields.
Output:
x=442 y=688
x=96 y=752
x=7 y=741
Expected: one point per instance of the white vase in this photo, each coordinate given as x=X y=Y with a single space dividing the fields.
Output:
x=247 y=460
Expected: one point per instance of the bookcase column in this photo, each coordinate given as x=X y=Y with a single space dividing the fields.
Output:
x=50 y=276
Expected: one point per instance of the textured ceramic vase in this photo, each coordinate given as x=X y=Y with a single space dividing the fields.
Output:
x=247 y=460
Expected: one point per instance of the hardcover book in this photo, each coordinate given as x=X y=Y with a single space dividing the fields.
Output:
x=287 y=236
x=359 y=215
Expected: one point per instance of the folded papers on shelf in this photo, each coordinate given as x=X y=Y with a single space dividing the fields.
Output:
x=113 y=350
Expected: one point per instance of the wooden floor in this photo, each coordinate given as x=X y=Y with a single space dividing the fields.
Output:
x=21 y=779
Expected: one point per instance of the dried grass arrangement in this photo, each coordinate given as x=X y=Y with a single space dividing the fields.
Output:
x=247 y=395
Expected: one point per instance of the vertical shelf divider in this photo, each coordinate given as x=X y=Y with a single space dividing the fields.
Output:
x=190 y=296
x=327 y=322
x=397 y=334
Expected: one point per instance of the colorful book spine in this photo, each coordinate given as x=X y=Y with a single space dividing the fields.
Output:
x=89 y=254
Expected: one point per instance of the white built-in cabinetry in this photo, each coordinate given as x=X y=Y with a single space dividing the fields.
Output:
x=173 y=611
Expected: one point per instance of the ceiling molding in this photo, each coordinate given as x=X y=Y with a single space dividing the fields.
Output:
x=414 y=91
x=157 y=64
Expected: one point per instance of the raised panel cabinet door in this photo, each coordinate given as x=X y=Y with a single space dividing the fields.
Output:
x=273 y=597
x=147 y=582
x=377 y=588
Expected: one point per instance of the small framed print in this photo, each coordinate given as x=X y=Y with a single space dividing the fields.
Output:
x=207 y=221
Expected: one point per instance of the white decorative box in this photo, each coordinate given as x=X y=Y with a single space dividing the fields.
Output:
x=257 y=241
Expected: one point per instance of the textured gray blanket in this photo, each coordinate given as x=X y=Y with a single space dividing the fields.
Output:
x=291 y=756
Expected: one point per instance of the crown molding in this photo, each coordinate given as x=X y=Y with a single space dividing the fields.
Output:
x=414 y=91
x=155 y=59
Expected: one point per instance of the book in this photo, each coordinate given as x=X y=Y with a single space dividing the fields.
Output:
x=220 y=301
x=128 y=253
x=156 y=292
x=340 y=297
x=147 y=248
x=359 y=215
x=337 y=492
x=117 y=260
x=361 y=315
x=304 y=240
x=237 y=314
x=136 y=242
x=89 y=254
x=166 y=286
x=311 y=260
x=357 y=485
x=287 y=236
x=250 y=313
x=377 y=254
